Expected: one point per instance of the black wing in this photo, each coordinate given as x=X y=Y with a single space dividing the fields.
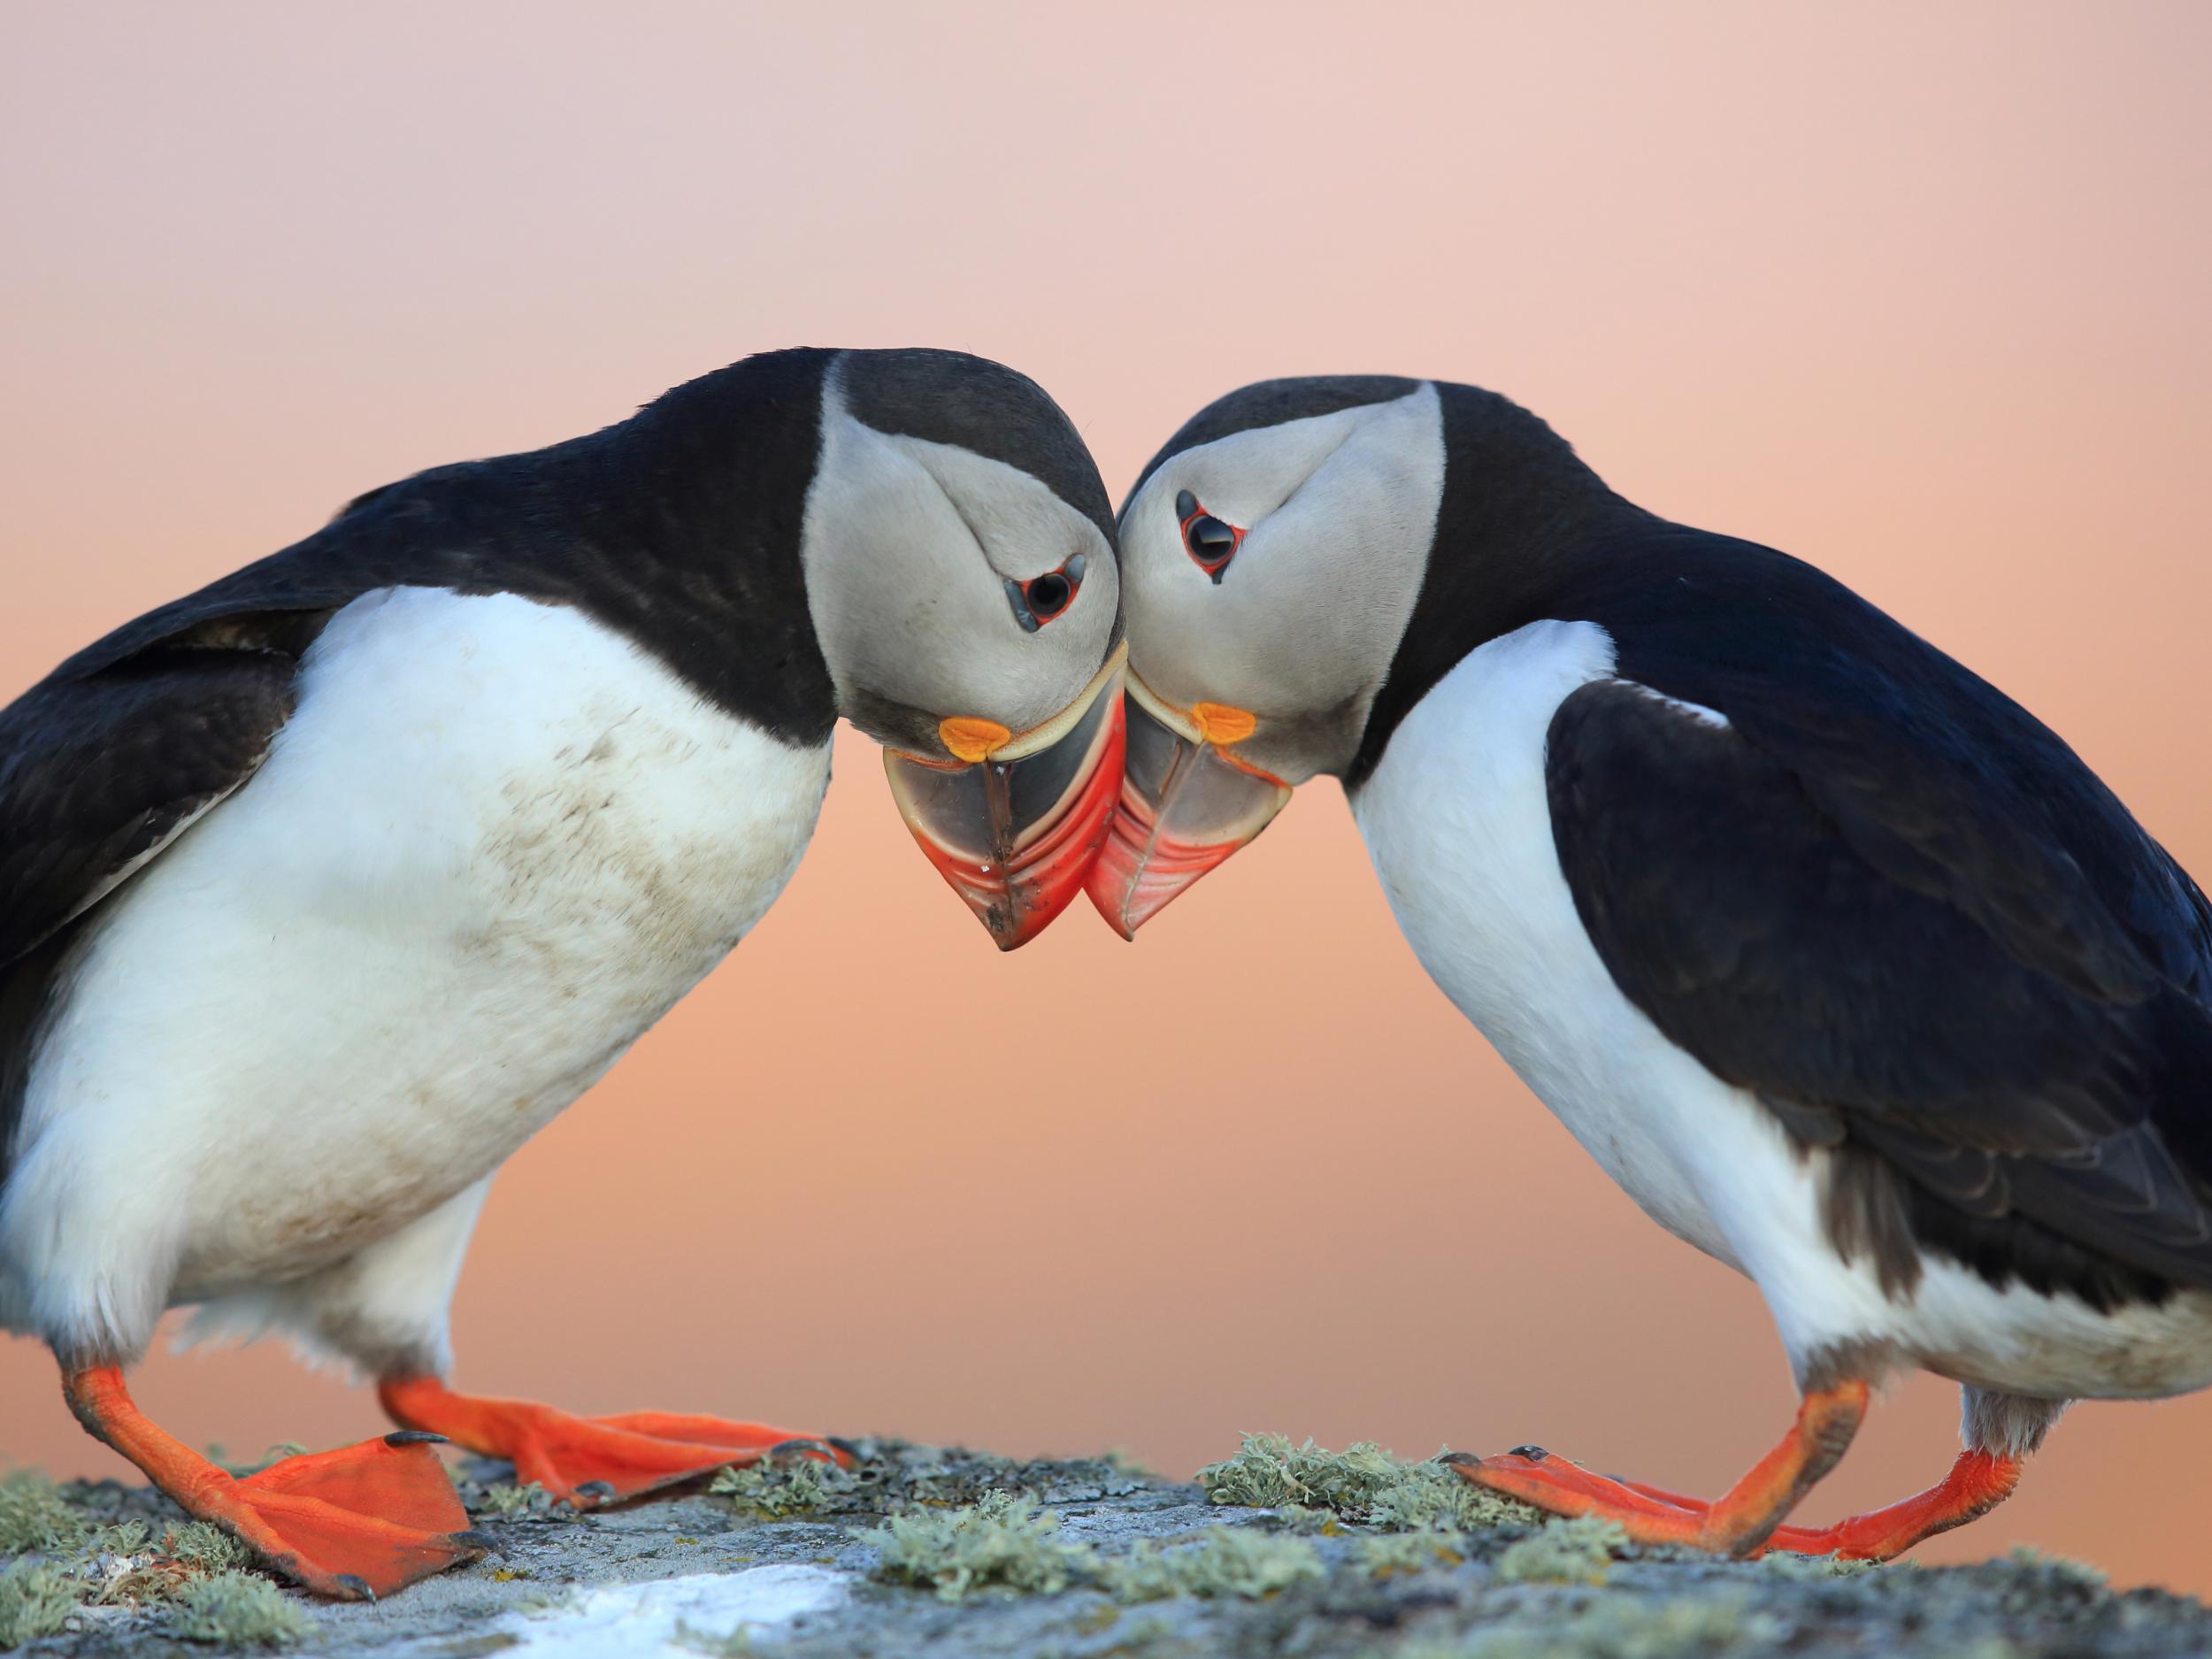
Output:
x=1888 y=901
x=100 y=770
x=113 y=755
x=98 y=775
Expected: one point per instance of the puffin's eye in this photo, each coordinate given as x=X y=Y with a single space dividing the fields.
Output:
x=1210 y=541
x=1049 y=595
x=1039 y=599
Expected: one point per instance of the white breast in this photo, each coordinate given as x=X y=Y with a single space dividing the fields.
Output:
x=493 y=844
x=1457 y=820
x=1457 y=824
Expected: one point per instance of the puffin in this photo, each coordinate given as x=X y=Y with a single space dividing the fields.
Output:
x=1844 y=966
x=325 y=887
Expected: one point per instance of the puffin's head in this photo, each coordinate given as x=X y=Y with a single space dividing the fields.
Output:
x=959 y=559
x=1300 y=565
x=1271 y=554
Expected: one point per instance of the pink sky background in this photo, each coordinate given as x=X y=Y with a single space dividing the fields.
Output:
x=1917 y=293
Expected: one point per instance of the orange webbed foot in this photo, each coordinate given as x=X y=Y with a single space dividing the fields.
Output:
x=357 y=1522
x=1747 y=1520
x=590 y=1461
x=1558 y=1486
x=1739 y=1524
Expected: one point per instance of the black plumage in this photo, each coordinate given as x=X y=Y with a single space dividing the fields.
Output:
x=680 y=527
x=1901 y=911
x=1882 y=896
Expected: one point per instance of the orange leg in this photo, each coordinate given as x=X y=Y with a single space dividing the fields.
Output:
x=1746 y=1521
x=591 y=1460
x=1737 y=1525
x=361 y=1522
x=1978 y=1482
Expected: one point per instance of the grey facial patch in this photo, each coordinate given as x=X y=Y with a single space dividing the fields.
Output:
x=950 y=397
x=1271 y=404
x=1337 y=513
x=1284 y=740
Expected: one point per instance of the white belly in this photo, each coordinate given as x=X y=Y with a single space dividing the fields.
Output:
x=493 y=844
x=1457 y=820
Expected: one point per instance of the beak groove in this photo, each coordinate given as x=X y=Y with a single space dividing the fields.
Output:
x=1015 y=834
x=1186 y=805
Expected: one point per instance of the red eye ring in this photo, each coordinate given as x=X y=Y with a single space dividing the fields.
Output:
x=1047 y=596
x=1211 y=542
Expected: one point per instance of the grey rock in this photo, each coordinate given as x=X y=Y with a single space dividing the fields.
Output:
x=561 y=1571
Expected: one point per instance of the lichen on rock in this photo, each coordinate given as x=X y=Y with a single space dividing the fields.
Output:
x=1362 y=1483
x=1000 y=1540
x=238 y=1610
x=1579 y=1551
x=782 y=1486
x=1226 y=1560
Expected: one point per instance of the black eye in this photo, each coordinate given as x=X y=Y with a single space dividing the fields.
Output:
x=1049 y=596
x=1209 y=538
x=1210 y=541
x=1039 y=599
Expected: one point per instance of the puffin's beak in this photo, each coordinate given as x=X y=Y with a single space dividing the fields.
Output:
x=1186 y=803
x=1016 y=823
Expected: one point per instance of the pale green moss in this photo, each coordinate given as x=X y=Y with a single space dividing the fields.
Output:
x=237 y=1610
x=1228 y=1561
x=34 y=1600
x=1388 y=1554
x=34 y=1515
x=1568 y=1552
x=775 y=1489
x=126 y=1565
x=1431 y=1495
x=999 y=1539
x=508 y=1499
x=205 y=1547
x=118 y=1566
x=1362 y=1483
x=1269 y=1471
x=124 y=1538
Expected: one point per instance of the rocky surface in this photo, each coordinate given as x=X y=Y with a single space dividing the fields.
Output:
x=1090 y=1559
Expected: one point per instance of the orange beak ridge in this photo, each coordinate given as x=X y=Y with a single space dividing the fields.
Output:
x=1186 y=803
x=1015 y=832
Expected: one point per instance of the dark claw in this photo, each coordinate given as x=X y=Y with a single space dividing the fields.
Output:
x=1534 y=1453
x=415 y=1437
x=844 y=1446
x=596 y=1491
x=799 y=1446
x=1460 y=1460
x=355 y=1587
x=474 y=1539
